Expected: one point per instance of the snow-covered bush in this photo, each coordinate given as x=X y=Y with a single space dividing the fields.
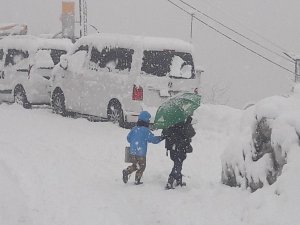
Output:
x=268 y=132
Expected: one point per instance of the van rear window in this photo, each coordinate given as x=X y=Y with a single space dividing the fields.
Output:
x=168 y=62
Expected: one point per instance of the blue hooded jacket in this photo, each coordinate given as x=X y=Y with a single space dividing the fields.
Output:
x=139 y=136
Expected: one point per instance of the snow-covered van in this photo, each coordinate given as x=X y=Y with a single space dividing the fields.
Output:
x=26 y=63
x=117 y=76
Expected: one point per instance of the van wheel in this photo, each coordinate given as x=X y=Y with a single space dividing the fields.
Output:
x=115 y=113
x=21 y=98
x=58 y=103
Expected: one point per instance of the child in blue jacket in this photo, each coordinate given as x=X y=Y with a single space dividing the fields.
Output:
x=138 y=137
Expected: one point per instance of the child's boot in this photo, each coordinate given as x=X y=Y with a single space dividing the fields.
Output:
x=125 y=176
x=138 y=181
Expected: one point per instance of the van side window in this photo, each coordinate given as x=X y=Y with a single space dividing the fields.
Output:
x=96 y=58
x=14 y=56
x=124 y=57
x=1 y=54
x=119 y=59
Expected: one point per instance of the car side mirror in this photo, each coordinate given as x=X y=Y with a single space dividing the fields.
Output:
x=63 y=62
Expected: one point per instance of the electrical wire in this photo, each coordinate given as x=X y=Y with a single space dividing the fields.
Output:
x=247 y=27
x=242 y=45
x=236 y=32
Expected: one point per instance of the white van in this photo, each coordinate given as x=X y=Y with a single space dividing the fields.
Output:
x=26 y=63
x=117 y=76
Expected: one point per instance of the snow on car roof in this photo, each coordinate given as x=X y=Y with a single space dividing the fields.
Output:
x=12 y=29
x=31 y=43
x=6 y=24
x=21 y=42
x=159 y=43
x=135 y=42
x=63 y=44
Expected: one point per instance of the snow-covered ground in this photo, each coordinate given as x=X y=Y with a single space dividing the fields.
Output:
x=65 y=171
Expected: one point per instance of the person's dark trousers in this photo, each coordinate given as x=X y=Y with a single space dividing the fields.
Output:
x=175 y=174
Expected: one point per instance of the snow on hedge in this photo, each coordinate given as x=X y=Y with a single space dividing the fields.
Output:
x=269 y=135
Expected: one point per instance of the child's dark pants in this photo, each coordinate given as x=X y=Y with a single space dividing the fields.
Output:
x=138 y=165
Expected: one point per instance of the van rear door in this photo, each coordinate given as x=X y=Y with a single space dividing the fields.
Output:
x=166 y=73
x=15 y=68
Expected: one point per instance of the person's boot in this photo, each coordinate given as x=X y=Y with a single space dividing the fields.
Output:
x=125 y=176
x=170 y=183
x=138 y=182
x=179 y=182
x=169 y=186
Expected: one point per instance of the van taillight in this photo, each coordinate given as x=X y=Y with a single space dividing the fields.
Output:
x=137 y=93
x=196 y=91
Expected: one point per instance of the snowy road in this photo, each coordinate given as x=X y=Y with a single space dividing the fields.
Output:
x=56 y=170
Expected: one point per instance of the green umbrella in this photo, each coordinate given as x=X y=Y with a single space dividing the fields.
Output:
x=176 y=110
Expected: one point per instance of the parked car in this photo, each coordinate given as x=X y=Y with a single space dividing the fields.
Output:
x=26 y=63
x=117 y=76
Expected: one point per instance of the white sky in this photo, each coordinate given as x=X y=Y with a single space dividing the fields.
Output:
x=246 y=77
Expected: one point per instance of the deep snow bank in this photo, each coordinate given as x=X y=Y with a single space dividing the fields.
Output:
x=269 y=138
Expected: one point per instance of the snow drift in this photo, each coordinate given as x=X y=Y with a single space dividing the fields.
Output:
x=268 y=139
x=56 y=170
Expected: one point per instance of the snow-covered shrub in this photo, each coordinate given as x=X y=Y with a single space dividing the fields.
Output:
x=255 y=157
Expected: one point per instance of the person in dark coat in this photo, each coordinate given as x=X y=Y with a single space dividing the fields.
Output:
x=178 y=141
x=139 y=137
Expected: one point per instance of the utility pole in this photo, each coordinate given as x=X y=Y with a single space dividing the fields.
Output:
x=297 y=66
x=191 y=34
x=297 y=70
x=80 y=18
x=83 y=17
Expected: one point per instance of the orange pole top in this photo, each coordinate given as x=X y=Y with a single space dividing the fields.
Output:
x=68 y=8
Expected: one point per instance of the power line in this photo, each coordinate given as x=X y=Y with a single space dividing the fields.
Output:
x=242 y=45
x=247 y=27
x=236 y=32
